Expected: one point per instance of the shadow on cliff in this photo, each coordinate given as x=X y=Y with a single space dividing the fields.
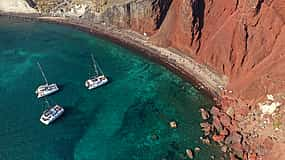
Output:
x=198 y=11
x=164 y=5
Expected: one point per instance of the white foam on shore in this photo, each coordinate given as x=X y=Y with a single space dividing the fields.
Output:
x=16 y=6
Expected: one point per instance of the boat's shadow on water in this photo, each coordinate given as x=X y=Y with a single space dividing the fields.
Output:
x=61 y=87
x=73 y=125
x=110 y=80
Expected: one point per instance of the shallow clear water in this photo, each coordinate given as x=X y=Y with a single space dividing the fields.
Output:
x=124 y=120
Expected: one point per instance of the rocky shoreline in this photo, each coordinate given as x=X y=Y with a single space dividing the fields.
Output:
x=246 y=132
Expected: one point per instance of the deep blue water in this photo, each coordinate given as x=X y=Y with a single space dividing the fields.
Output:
x=124 y=120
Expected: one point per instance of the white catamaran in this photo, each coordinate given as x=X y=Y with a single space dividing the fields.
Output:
x=98 y=79
x=46 y=89
x=51 y=114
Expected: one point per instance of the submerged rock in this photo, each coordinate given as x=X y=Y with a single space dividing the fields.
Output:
x=197 y=149
x=189 y=153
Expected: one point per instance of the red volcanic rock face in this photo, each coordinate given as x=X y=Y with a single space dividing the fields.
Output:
x=241 y=39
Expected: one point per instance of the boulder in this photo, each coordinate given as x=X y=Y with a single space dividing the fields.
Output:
x=233 y=157
x=218 y=138
x=173 y=124
x=217 y=124
x=206 y=128
x=204 y=114
x=224 y=148
x=205 y=140
x=238 y=149
x=224 y=132
x=197 y=149
x=234 y=137
x=231 y=112
x=268 y=143
x=225 y=120
x=189 y=153
x=215 y=111
x=234 y=125
x=252 y=156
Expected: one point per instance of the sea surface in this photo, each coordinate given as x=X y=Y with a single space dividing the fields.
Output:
x=127 y=119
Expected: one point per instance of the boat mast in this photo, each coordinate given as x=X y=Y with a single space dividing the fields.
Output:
x=100 y=70
x=94 y=65
x=43 y=74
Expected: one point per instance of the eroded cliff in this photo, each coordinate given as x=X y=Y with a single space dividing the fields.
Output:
x=241 y=39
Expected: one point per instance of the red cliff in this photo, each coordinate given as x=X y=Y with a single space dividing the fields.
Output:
x=240 y=38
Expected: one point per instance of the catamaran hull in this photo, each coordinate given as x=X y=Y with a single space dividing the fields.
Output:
x=47 y=93
x=95 y=83
x=42 y=92
x=49 y=121
x=98 y=84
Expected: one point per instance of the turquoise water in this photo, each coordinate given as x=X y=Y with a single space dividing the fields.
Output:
x=124 y=120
